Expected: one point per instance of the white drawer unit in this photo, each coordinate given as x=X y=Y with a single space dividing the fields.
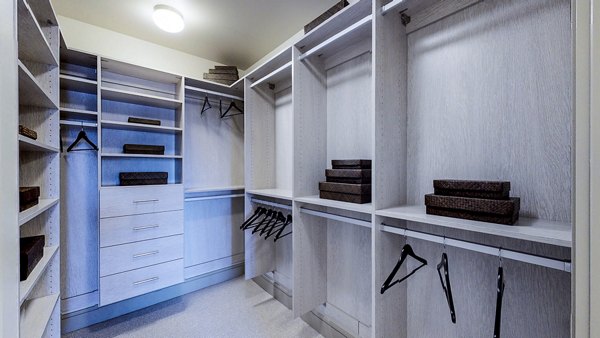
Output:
x=126 y=201
x=133 y=283
x=126 y=257
x=128 y=229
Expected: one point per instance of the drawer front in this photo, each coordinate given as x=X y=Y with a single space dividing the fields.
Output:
x=126 y=257
x=129 y=229
x=126 y=201
x=141 y=281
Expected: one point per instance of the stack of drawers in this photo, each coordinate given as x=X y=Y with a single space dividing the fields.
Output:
x=141 y=240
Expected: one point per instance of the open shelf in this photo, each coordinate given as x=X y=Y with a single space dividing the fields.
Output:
x=315 y=200
x=277 y=75
x=138 y=98
x=35 y=211
x=213 y=190
x=140 y=127
x=529 y=229
x=78 y=114
x=30 y=92
x=27 y=144
x=26 y=286
x=33 y=45
x=141 y=156
x=35 y=315
x=78 y=84
x=284 y=194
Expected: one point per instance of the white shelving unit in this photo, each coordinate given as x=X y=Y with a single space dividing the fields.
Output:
x=38 y=46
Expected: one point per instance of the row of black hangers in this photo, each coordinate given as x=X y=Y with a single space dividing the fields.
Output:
x=268 y=223
x=207 y=106
x=407 y=251
x=82 y=136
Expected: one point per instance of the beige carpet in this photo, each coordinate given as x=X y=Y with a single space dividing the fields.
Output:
x=236 y=308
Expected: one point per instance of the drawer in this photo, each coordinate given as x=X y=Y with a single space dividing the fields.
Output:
x=126 y=201
x=128 y=229
x=121 y=258
x=141 y=281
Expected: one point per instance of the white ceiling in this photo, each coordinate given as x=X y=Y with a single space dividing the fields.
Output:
x=232 y=32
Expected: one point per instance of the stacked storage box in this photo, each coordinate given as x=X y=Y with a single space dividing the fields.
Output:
x=226 y=75
x=348 y=181
x=486 y=201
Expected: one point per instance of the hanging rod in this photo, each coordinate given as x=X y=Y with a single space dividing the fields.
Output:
x=208 y=198
x=272 y=204
x=78 y=124
x=210 y=92
x=485 y=249
x=339 y=35
x=272 y=74
x=334 y=217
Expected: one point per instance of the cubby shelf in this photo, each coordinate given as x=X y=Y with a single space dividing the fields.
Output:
x=78 y=84
x=529 y=229
x=140 y=127
x=35 y=211
x=78 y=114
x=284 y=194
x=30 y=91
x=115 y=155
x=26 y=286
x=315 y=200
x=35 y=315
x=33 y=45
x=27 y=144
x=138 y=98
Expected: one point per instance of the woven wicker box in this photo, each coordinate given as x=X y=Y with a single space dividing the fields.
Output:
x=485 y=210
x=351 y=164
x=474 y=216
x=475 y=189
x=143 y=149
x=350 y=198
x=329 y=13
x=345 y=188
x=353 y=176
x=144 y=121
x=143 y=178
x=28 y=197
x=28 y=132
x=31 y=252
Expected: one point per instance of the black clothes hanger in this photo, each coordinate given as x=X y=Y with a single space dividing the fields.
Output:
x=271 y=219
x=446 y=286
x=82 y=136
x=259 y=211
x=279 y=219
x=406 y=251
x=257 y=221
x=283 y=222
x=500 y=294
x=231 y=106
x=280 y=233
x=204 y=106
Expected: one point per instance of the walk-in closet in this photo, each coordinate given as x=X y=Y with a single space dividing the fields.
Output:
x=354 y=168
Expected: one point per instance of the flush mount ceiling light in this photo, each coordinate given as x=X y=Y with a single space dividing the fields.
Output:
x=168 y=18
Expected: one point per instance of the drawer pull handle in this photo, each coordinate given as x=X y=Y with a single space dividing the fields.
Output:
x=151 y=253
x=147 y=227
x=149 y=280
x=146 y=201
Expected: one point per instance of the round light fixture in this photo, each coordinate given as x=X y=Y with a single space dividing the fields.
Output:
x=168 y=18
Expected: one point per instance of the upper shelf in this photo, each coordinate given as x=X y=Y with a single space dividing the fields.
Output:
x=30 y=91
x=78 y=84
x=140 y=127
x=78 y=114
x=282 y=73
x=529 y=229
x=33 y=45
x=315 y=200
x=284 y=194
x=139 y=72
x=138 y=98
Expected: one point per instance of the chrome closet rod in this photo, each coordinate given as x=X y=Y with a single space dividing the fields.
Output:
x=271 y=204
x=485 y=249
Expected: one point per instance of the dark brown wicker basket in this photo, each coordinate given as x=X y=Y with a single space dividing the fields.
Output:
x=350 y=198
x=32 y=251
x=351 y=164
x=475 y=189
x=143 y=149
x=497 y=207
x=475 y=216
x=144 y=121
x=323 y=17
x=28 y=132
x=353 y=176
x=28 y=197
x=345 y=188
x=143 y=178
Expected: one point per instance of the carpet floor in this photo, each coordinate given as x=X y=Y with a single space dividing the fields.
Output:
x=233 y=309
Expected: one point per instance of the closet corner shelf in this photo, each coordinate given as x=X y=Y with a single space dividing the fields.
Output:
x=212 y=93
x=117 y=155
x=78 y=114
x=35 y=315
x=78 y=84
x=366 y=208
x=284 y=194
x=140 y=127
x=26 y=286
x=139 y=98
x=278 y=75
x=35 y=211
x=27 y=144
x=30 y=91
x=529 y=229
x=33 y=45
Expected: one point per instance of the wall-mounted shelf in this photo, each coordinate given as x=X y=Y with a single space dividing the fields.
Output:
x=26 y=286
x=126 y=96
x=30 y=91
x=27 y=144
x=284 y=194
x=78 y=84
x=277 y=75
x=529 y=229
x=213 y=190
x=35 y=315
x=108 y=155
x=315 y=200
x=201 y=91
x=140 y=127
x=35 y=211
x=78 y=114
x=33 y=45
